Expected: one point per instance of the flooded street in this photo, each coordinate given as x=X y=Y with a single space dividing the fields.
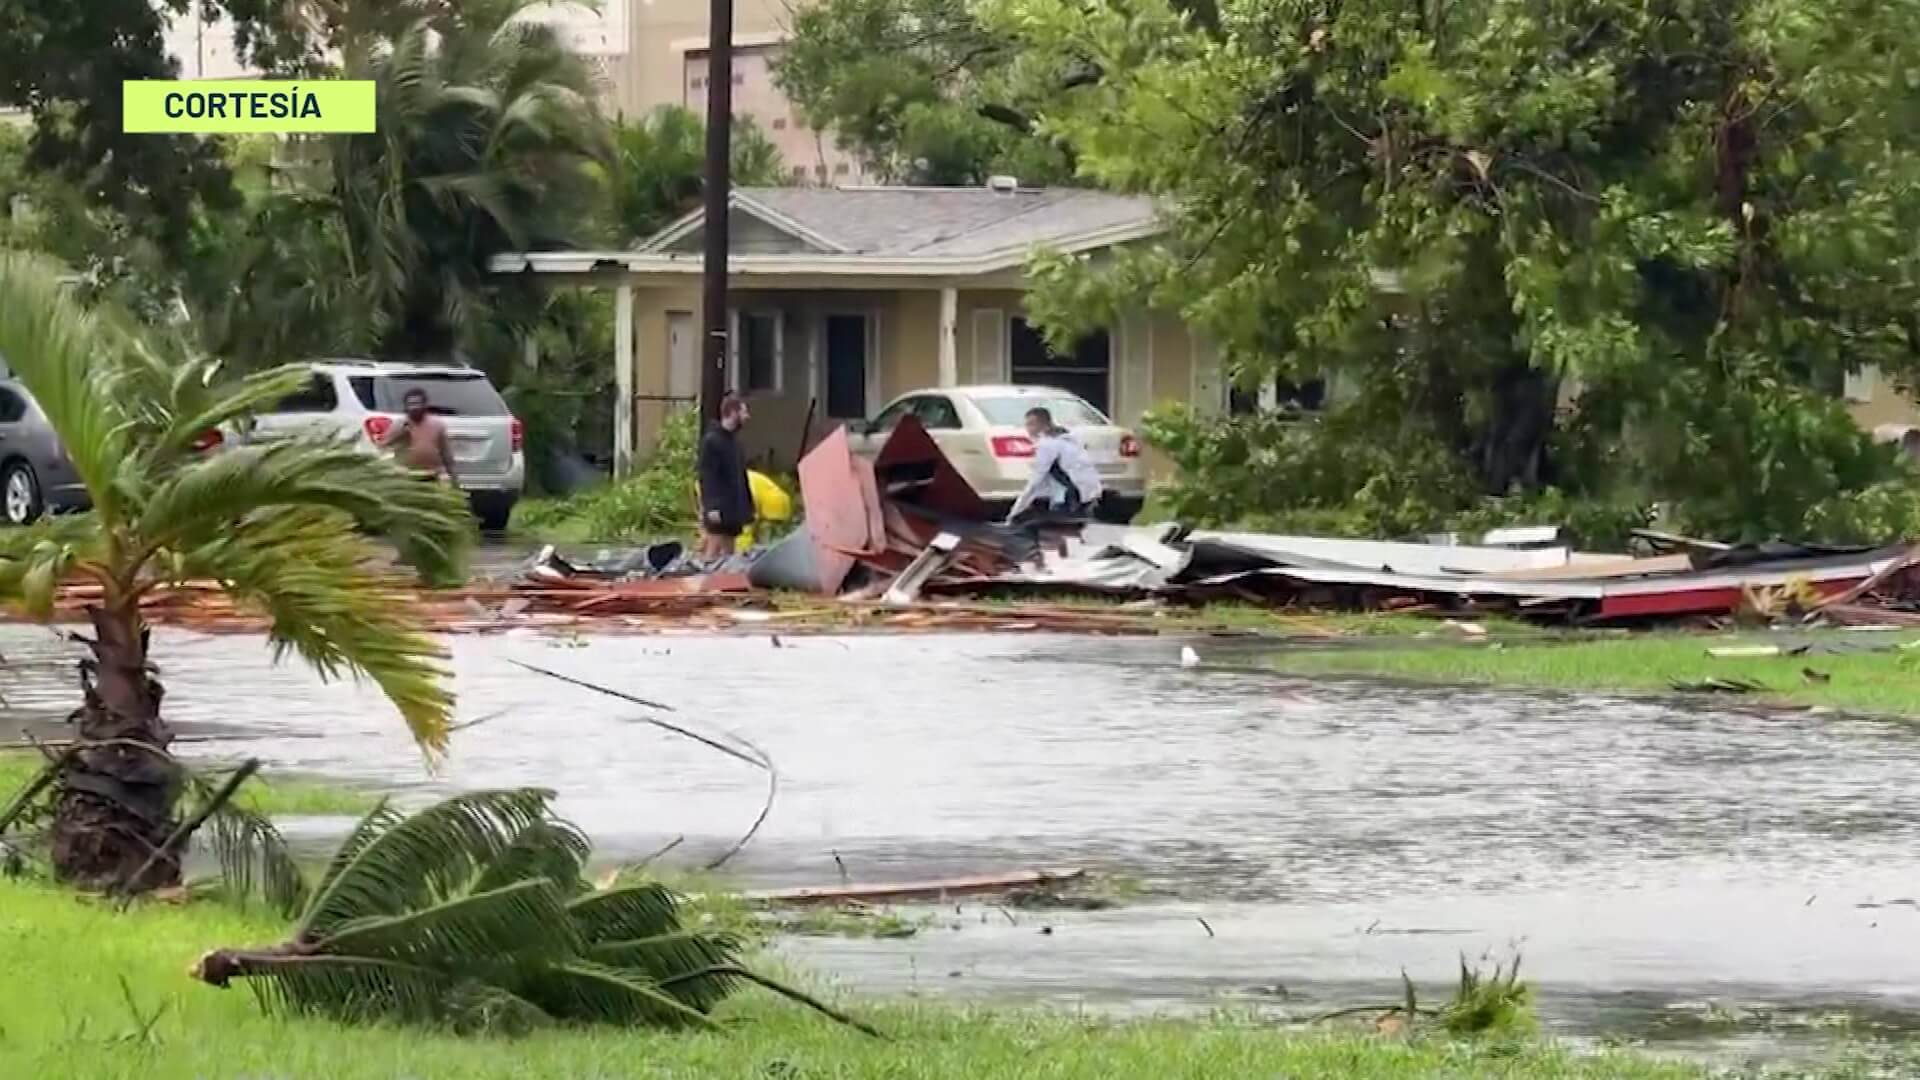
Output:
x=1297 y=843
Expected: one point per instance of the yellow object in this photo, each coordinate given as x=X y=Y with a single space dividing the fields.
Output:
x=770 y=503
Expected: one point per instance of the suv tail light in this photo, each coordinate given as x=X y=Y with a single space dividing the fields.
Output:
x=378 y=426
x=1014 y=446
x=207 y=440
x=519 y=436
x=1129 y=446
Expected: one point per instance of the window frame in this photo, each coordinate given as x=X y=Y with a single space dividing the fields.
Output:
x=738 y=367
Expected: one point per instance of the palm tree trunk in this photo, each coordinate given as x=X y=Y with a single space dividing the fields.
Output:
x=116 y=801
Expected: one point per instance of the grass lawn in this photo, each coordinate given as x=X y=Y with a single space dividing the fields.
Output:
x=262 y=794
x=1886 y=683
x=88 y=993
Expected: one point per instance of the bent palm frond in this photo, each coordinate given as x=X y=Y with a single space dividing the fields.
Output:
x=57 y=347
x=472 y=912
x=524 y=918
x=422 y=859
x=551 y=849
x=200 y=503
x=314 y=576
x=35 y=559
x=584 y=990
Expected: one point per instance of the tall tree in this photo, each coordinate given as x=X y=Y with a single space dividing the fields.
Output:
x=657 y=175
x=281 y=527
x=924 y=91
x=1692 y=218
x=490 y=140
x=65 y=62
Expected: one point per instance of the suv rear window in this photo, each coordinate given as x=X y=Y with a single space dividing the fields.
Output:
x=449 y=395
x=1067 y=411
x=318 y=397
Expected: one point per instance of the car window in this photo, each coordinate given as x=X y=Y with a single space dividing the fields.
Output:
x=890 y=418
x=13 y=407
x=937 y=413
x=318 y=396
x=450 y=394
x=1010 y=410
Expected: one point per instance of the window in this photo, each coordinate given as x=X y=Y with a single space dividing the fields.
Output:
x=799 y=172
x=1084 y=371
x=739 y=79
x=840 y=169
x=1283 y=395
x=937 y=413
x=450 y=394
x=894 y=413
x=13 y=407
x=779 y=123
x=820 y=172
x=756 y=352
x=319 y=396
x=699 y=82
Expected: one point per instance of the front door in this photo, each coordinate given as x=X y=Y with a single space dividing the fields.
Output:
x=846 y=367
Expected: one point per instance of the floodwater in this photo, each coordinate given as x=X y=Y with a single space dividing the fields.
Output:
x=1705 y=875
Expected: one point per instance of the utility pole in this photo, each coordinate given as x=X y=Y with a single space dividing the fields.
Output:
x=713 y=346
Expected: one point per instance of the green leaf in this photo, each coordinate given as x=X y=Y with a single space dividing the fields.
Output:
x=429 y=856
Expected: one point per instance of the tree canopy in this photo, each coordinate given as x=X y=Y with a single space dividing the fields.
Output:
x=1594 y=244
x=922 y=90
x=659 y=168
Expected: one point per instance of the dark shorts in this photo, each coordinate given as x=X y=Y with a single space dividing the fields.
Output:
x=728 y=529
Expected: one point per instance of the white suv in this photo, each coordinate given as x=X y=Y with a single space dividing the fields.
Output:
x=361 y=400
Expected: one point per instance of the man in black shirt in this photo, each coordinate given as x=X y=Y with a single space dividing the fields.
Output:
x=726 y=499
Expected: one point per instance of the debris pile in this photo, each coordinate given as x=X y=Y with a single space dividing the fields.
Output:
x=906 y=525
x=902 y=542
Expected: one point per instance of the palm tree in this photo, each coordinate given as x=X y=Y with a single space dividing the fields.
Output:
x=489 y=141
x=279 y=527
x=473 y=914
x=658 y=168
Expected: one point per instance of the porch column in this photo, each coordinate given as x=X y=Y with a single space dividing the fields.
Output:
x=530 y=351
x=949 y=349
x=623 y=378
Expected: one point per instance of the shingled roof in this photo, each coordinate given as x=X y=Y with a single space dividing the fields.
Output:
x=907 y=222
x=868 y=231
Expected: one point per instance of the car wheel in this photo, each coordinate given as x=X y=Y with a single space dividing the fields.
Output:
x=20 y=494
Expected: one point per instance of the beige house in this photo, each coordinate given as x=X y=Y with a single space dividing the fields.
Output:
x=844 y=298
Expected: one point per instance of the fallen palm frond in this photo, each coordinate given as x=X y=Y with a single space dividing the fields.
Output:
x=474 y=914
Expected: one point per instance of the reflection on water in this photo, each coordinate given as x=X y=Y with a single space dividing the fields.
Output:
x=1641 y=855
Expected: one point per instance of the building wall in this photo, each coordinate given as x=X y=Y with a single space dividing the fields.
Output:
x=1875 y=402
x=810 y=156
x=1153 y=356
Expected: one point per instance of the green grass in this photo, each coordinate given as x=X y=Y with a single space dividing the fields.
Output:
x=1882 y=683
x=271 y=795
x=64 y=1012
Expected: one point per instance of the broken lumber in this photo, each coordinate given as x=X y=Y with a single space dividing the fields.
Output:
x=904 y=891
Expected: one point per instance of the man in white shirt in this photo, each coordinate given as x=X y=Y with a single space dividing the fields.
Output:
x=1065 y=481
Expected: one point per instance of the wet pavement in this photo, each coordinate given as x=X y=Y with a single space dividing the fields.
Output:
x=1297 y=843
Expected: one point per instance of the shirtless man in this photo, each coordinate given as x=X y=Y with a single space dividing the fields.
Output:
x=420 y=441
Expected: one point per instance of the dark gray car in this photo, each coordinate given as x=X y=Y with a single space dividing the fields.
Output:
x=35 y=474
